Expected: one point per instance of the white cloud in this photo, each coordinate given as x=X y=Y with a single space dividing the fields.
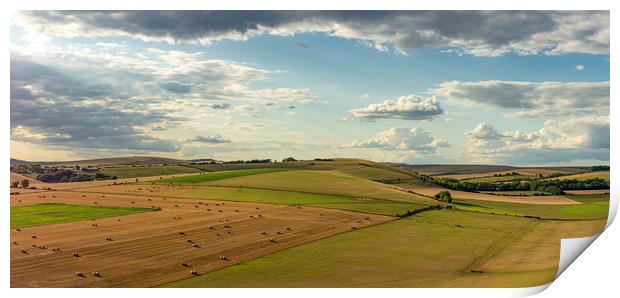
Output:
x=484 y=131
x=401 y=138
x=408 y=107
x=557 y=141
x=530 y=99
x=580 y=67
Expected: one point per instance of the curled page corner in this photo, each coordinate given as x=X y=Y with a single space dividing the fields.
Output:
x=571 y=249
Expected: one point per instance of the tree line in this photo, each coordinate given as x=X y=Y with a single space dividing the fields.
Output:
x=555 y=187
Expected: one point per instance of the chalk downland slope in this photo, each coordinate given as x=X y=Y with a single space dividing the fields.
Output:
x=326 y=182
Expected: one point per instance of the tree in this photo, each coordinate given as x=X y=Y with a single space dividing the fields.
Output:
x=289 y=159
x=15 y=184
x=25 y=183
x=444 y=196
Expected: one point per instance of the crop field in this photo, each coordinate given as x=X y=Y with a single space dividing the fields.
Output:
x=499 y=178
x=51 y=213
x=372 y=173
x=142 y=171
x=431 y=249
x=464 y=195
x=151 y=248
x=327 y=182
x=269 y=196
x=588 y=192
x=206 y=177
x=305 y=224
x=589 y=207
x=584 y=176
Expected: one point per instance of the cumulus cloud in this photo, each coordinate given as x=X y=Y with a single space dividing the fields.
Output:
x=585 y=138
x=214 y=139
x=408 y=107
x=479 y=33
x=484 y=131
x=530 y=99
x=580 y=67
x=401 y=138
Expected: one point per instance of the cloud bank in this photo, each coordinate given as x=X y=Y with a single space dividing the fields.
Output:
x=478 y=33
x=531 y=99
x=557 y=141
x=401 y=138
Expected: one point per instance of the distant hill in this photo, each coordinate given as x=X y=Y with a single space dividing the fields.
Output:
x=131 y=160
x=15 y=162
x=437 y=169
x=443 y=170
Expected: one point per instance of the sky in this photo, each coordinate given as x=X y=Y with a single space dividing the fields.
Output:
x=420 y=87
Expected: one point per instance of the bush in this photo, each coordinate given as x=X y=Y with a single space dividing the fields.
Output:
x=444 y=196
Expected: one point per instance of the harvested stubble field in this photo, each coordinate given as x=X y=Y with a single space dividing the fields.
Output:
x=431 y=249
x=123 y=172
x=585 y=176
x=146 y=249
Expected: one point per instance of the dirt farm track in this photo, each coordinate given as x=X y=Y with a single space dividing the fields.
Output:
x=151 y=248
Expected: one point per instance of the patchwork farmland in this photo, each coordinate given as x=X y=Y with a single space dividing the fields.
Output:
x=320 y=223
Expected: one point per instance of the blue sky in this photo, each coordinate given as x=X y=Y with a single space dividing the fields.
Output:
x=522 y=88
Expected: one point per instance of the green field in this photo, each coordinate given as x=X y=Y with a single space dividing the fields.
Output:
x=202 y=178
x=44 y=214
x=376 y=206
x=430 y=249
x=325 y=182
x=122 y=172
x=492 y=179
x=372 y=173
x=591 y=207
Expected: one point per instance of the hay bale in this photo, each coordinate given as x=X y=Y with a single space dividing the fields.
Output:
x=193 y=272
x=96 y=274
x=34 y=236
x=79 y=274
x=108 y=238
x=76 y=254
